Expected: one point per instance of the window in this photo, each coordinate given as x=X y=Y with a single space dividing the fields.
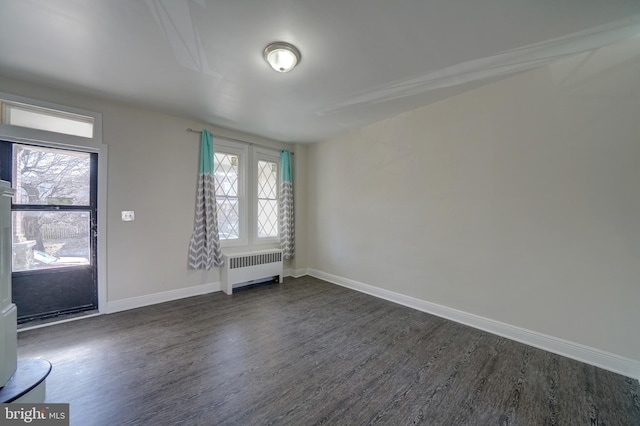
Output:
x=266 y=207
x=52 y=208
x=246 y=213
x=33 y=117
x=229 y=171
x=44 y=176
x=227 y=185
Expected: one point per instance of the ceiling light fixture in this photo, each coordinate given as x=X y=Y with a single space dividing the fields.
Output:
x=282 y=57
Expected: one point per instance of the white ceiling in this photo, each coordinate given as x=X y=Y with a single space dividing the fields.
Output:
x=362 y=60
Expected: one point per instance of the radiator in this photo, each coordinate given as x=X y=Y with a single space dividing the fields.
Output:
x=246 y=267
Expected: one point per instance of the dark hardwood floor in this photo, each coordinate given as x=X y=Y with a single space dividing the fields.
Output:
x=308 y=352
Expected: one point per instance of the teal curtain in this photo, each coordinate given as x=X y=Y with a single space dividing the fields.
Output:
x=287 y=222
x=204 y=248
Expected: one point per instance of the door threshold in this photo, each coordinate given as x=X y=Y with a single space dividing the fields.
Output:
x=32 y=325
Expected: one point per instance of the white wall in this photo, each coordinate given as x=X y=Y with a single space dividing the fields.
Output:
x=518 y=202
x=152 y=169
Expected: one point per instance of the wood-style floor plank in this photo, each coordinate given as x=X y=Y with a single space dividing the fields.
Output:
x=307 y=352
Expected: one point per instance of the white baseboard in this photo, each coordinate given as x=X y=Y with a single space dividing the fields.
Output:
x=608 y=361
x=295 y=273
x=165 y=296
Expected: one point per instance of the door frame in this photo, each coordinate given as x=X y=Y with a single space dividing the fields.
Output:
x=57 y=140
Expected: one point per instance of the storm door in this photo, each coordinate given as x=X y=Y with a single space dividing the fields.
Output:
x=54 y=262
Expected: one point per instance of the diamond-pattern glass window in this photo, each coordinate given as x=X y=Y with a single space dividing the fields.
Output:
x=226 y=174
x=267 y=199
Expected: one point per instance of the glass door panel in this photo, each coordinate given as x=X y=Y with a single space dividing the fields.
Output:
x=48 y=176
x=50 y=239
x=54 y=238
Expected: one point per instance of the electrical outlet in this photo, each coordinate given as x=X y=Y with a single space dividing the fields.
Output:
x=128 y=216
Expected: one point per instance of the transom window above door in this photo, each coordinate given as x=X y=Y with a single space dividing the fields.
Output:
x=34 y=117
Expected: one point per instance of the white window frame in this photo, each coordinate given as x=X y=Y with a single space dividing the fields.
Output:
x=53 y=139
x=248 y=157
x=242 y=151
x=263 y=154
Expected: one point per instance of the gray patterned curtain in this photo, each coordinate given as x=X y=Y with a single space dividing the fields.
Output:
x=204 y=248
x=287 y=224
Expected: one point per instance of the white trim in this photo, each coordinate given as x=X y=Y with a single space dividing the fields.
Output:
x=34 y=135
x=165 y=296
x=102 y=228
x=295 y=273
x=596 y=357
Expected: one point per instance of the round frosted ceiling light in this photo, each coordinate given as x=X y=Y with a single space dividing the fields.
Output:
x=282 y=57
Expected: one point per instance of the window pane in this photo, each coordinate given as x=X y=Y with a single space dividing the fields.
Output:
x=50 y=176
x=267 y=179
x=48 y=239
x=226 y=174
x=267 y=218
x=49 y=120
x=267 y=199
x=228 y=218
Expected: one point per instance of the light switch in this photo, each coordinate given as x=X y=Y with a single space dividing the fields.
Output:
x=128 y=216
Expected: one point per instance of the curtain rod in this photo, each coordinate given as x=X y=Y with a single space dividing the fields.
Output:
x=190 y=130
